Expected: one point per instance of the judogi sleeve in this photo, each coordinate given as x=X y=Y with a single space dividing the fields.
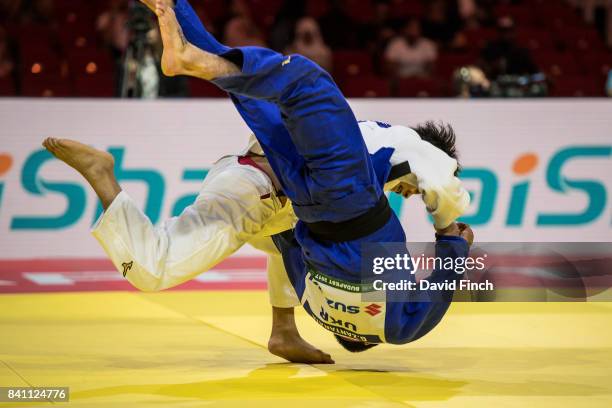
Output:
x=409 y=321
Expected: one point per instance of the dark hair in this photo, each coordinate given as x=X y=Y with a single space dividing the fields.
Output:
x=440 y=135
x=354 y=346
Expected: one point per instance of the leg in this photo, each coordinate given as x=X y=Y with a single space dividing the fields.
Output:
x=226 y=214
x=95 y=165
x=151 y=3
x=181 y=57
x=286 y=342
x=320 y=124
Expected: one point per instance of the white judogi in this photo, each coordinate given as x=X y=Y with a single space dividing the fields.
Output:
x=432 y=170
x=228 y=213
x=237 y=204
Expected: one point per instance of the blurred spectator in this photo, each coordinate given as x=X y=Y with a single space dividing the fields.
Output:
x=240 y=8
x=375 y=30
x=380 y=30
x=468 y=9
x=241 y=31
x=112 y=24
x=7 y=63
x=485 y=13
x=309 y=42
x=9 y=9
x=377 y=34
x=37 y=11
x=609 y=84
x=283 y=29
x=338 y=28
x=442 y=21
x=410 y=54
x=503 y=56
x=472 y=15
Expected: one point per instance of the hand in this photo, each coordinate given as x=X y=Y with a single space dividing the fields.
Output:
x=452 y=229
x=466 y=233
x=458 y=230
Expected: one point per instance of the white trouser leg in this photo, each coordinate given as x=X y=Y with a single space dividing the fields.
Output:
x=227 y=213
x=280 y=289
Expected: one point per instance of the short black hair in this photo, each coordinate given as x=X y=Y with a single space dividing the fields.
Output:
x=354 y=346
x=440 y=135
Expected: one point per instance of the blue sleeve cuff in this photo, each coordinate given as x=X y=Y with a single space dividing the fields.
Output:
x=449 y=238
x=451 y=246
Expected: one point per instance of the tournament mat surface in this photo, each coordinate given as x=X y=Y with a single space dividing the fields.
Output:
x=208 y=348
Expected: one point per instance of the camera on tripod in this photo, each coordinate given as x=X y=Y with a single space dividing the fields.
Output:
x=139 y=78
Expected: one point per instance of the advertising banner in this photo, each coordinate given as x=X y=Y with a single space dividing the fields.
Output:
x=537 y=171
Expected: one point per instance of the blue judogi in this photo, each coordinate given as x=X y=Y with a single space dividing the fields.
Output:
x=314 y=145
x=311 y=139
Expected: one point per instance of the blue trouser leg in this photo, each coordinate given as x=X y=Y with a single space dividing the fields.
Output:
x=264 y=118
x=311 y=138
x=340 y=180
x=315 y=147
x=194 y=30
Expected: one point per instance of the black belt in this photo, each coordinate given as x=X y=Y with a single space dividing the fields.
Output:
x=399 y=170
x=355 y=228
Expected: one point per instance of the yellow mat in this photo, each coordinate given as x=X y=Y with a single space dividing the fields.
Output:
x=199 y=349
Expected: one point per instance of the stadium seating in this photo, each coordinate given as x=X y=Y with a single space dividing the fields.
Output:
x=203 y=89
x=449 y=62
x=556 y=63
x=577 y=86
x=366 y=86
x=348 y=64
x=535 y=39
x=597 y=64
x=421 y=87
x=48 y=86
x=69 y=56
x=100 y=84
x=93 y=72
x=7 y=87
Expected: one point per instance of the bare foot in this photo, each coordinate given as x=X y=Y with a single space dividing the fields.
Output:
x=172 y=37
x=95 y=165
x=292 y=347
x=151 y=4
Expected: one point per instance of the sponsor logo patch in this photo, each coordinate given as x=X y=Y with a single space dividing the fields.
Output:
x=373 y=309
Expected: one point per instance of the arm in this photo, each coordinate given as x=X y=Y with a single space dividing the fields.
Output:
x=452 y=242
x=426 y=308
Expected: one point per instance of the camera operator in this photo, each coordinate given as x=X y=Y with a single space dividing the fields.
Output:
x=141 y=75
